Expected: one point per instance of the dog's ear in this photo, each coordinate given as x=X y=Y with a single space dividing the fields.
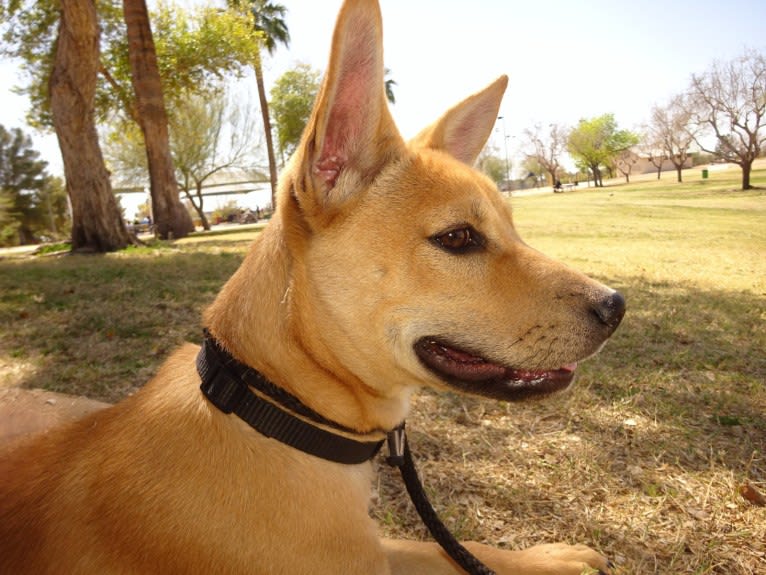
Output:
x=464 y=129
x=351 y=134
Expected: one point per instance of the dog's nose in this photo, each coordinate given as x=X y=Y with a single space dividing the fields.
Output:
x=610 y=309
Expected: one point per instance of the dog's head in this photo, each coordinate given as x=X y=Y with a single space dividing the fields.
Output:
x=406 y=264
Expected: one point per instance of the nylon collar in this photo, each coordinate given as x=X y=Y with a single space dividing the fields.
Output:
x=227 y=384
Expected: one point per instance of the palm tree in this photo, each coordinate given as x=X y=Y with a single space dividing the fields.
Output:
x=269 y=19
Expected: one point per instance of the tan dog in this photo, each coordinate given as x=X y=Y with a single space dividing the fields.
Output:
x=388 y=266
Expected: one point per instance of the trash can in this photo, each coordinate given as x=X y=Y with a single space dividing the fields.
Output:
x=704 y=174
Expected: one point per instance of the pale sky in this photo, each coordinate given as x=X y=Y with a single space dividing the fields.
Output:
x=566 y=59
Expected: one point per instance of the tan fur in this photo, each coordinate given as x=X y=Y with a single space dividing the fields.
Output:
x=327 y=304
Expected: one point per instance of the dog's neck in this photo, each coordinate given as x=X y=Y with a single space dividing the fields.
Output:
x=254 y=317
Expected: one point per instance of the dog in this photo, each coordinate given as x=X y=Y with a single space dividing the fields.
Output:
x=388 y=266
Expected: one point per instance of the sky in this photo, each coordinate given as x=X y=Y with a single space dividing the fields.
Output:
x=566 y=59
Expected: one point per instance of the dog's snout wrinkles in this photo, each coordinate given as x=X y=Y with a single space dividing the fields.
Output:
x=610 y=310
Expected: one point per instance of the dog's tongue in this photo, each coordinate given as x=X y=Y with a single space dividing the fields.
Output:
x=469 y=367
x=463 y=365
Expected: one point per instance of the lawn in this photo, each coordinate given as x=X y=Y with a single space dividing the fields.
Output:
x=643 y=460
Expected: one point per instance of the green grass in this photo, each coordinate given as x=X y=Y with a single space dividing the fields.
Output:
x=642 y=460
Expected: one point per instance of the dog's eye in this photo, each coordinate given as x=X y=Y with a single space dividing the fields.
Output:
x=459 y=240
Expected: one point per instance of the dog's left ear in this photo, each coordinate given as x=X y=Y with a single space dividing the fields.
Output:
x=351 y=134
x=463 y=131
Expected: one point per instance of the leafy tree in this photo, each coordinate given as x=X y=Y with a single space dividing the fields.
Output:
x=534 y=171
x=195 y=49
x=207 y=136
x=292 y=98
x=97 y=223
x=59 y=45
x=729 y=101
x=191 y=51
x=31 y=201
x=268 y=18
x=8 y=223
x=595 y=143
x=494 y=167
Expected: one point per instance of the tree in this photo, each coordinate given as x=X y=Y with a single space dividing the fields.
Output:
x=209 y=137
x=596 y=142
x=547 y=147
x=656 y=157
x=729 y=101
x=624 y=162
x=193 y=51
x=22 y=176
x=97 y=223
x=269 y=20
x=33 y=204
x=671 y=127
x=206 y=137
x=8 y=223
x=493 y=166
x=171 y=220
x=292 y=98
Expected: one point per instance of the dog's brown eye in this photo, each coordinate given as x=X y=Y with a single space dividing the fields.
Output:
x=459 y=240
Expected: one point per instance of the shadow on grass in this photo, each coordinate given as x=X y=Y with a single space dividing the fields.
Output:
x=101 y=325
x=693 y=363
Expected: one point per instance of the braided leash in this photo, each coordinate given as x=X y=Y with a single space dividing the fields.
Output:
x=401 y=457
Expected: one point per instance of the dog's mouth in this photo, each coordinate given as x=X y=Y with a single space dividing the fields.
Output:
x=470 y=373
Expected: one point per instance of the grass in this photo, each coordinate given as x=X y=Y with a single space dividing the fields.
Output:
x=642 y=460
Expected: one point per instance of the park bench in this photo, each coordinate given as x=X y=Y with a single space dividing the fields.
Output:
x=563 y=188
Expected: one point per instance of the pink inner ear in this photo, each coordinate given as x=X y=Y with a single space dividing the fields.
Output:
x=458 y=142
x=328 y=169
x=467 y=136
x=352 y=113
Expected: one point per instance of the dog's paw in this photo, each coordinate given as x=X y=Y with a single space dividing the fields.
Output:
x=563 y=559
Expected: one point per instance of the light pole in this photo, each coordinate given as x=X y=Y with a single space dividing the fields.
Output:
x=507 y=165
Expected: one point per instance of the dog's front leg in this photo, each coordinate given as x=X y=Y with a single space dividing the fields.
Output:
x=414 y=557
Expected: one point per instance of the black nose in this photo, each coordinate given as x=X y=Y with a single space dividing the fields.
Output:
x=610 y=309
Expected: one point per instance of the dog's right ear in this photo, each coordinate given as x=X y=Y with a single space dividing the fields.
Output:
x=351 y=134
x=464 y=129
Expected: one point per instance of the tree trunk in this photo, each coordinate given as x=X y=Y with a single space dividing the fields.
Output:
x=659 y=172
x=266 y=129
x=171 y=220
x=746 y=167
x=597 y=181
x=97 y=223
x=199 y=206
x=678 y=171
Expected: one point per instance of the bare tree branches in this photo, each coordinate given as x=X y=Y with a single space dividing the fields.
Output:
x=547 y=147
x=672 y=131
x=729 y=102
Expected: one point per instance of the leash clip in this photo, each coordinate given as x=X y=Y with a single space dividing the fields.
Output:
x=395 y=440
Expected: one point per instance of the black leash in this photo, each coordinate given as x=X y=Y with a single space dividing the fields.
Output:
x=227 y=383
x=401 y=457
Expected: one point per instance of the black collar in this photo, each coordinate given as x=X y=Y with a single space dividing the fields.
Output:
x=227 y=384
